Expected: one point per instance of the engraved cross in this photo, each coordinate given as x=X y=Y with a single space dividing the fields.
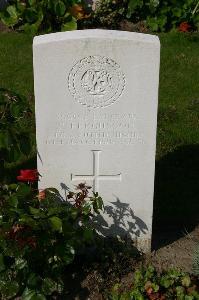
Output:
x=96 y=177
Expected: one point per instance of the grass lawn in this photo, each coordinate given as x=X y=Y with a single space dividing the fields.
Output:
x=176 y=186
x=16 y=70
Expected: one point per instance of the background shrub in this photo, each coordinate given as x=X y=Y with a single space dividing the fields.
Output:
x=157 y=15
x=48 y=15
x=17 y=132
x=43 y=15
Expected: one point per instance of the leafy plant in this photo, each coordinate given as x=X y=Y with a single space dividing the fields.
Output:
x=148 y=284
x=40 y=235
x=156 y=15
x=16 y=136
x=43 y=15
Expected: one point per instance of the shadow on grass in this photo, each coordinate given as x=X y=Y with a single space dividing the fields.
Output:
x=176 y=200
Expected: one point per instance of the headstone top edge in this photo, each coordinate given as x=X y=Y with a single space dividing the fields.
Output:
x=95 y=33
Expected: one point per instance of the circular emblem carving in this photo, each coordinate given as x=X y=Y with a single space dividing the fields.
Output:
x=96 y=81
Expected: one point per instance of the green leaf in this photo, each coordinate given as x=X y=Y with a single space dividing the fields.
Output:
x=133 y=4
x=186 y=281
x=86 y=209
x=59 y=8
x=7 y=20
x=34 y=211
x=24 y=190
x=31 y=15
x=27 y=294
x=13 y=186
x=3 y=139
x=187 y=297
x=25 y=145
x=20 y=7
x=53 y=191
x=2 y=265
x=56 y=223
x=30 y=28
x=32 y=295
x=166 y=282
x=20 y=263
x=13 y=154
x=74 y=213
x=69 y=254
x=13 y=201
x=71 y=25
x=33 y=280
x=99 y=203
x=31 y=2
x=88 y=234
x=48 y=286
x=9 y=289
x=27 y=220
x=11 y=9
x=15 y=110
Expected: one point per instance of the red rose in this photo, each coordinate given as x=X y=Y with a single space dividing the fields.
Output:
x=184 y=27
x=28 y=175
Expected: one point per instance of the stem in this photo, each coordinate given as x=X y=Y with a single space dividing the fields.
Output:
x=195 y=9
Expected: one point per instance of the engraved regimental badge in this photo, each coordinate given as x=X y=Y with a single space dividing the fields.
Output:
x=96 y=81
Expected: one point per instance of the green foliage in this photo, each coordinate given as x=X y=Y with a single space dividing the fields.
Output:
x=156 y=15
x=48 y=15
x=43 y=15
x=16 y=121
x=40 y=235
x=148 y=284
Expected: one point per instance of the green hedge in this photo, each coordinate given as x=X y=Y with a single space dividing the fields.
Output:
x=62 y=15
x=43 y=15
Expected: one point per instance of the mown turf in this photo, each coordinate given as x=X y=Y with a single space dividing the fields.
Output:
x=178 y=119
x=16 y=70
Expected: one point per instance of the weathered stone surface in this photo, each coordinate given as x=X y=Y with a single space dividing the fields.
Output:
x=96 y=108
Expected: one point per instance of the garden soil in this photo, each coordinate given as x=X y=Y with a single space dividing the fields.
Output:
x=170 y=251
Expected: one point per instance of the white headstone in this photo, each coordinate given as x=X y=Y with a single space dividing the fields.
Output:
x=96 y=97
